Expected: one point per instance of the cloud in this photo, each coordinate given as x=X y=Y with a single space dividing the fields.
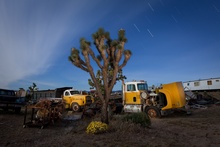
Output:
x=30 y=34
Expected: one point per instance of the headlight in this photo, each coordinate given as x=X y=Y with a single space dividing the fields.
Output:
x=143 y=95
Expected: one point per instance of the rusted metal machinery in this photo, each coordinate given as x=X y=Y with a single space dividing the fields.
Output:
x=43 y=113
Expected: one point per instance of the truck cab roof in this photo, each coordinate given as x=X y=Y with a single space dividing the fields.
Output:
x=72 y=91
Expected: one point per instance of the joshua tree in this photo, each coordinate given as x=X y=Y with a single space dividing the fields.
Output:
x=109 y=65
x=32 y=89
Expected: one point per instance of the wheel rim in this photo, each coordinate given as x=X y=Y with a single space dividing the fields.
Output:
x=152 y=113
x=75 y=108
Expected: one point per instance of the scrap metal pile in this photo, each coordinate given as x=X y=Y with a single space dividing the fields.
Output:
x=203 y=103
x=43 y=113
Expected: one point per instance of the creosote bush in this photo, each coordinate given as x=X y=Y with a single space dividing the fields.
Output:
x=138 y=118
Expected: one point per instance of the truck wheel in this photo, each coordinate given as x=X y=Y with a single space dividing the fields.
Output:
x=75 y=107
x=153 y=112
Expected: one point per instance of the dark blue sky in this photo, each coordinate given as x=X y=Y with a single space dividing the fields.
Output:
x=171 y=40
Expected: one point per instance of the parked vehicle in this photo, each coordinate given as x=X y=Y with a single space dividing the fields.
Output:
x=159 y=101
x=72 y=99
x=50 y=94
x=9 y=101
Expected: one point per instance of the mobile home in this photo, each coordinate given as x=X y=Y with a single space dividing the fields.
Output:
x=212 y=84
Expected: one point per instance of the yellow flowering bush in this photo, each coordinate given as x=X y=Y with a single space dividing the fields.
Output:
x=96 y=127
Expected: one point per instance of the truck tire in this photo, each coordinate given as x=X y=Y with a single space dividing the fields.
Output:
x=75 y=107
x=153 y=112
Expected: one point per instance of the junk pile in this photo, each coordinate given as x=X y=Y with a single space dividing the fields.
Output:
x=201 y=102
x=43 y=113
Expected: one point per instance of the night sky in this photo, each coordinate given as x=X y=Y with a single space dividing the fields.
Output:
x=170 y=40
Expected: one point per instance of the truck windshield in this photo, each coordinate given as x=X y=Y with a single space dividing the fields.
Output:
x=142 y=86
x=74 y=92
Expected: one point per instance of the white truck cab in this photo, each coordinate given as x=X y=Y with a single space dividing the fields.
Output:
x=133 y=93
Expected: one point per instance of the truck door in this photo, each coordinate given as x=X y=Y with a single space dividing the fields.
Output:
x=132 y=95
x=67 y=98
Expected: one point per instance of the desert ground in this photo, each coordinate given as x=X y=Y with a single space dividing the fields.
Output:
x=201 y=128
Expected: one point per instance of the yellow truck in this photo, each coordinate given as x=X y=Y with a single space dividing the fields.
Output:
x=75 y=100
x=72 y=99
x=157 y=102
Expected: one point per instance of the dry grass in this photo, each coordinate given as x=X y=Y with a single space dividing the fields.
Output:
x=199 y=129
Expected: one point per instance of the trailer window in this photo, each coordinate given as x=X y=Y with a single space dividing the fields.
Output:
x=209 y=82
x=35 y=96
x=196 y=83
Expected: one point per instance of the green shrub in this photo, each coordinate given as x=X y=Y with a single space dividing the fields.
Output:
x=138 y=118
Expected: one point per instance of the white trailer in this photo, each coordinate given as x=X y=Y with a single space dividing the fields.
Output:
x=212 y=84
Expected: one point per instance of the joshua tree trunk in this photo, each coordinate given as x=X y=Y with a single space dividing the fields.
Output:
x=104 y=113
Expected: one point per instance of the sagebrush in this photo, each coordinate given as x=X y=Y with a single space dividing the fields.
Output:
x=138 y=118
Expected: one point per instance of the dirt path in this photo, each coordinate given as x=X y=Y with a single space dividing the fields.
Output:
x=202 y=128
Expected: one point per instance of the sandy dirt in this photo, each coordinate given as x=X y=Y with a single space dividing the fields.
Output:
x=202 y=128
